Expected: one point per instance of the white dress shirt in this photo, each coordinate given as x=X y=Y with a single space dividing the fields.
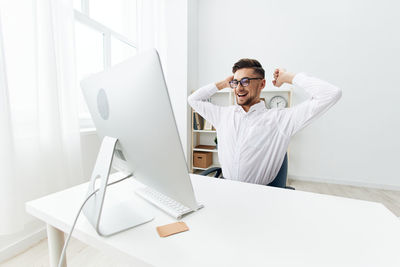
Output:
x=252 y=145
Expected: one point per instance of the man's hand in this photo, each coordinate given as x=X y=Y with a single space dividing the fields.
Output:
x=224 y=83
x=281 y=76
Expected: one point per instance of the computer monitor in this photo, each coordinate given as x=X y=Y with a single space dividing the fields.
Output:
x=130 y=102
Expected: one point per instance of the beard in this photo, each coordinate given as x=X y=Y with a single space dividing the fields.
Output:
x=247 y=102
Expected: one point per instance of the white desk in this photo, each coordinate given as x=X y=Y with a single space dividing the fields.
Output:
x=242 y=225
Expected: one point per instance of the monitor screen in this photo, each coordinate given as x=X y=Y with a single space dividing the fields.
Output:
x=130 y=102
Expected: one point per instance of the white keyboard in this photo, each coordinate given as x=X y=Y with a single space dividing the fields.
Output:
x=167 y=204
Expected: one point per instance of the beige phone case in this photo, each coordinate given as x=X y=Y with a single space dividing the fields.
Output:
x=173 y=228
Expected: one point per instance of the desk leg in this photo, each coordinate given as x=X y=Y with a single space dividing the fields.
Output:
x=55 y=240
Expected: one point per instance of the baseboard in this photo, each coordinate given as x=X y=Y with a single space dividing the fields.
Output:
x=340 y=182
x=22 y=244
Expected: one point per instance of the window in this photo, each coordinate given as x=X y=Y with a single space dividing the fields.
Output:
x=105 y=34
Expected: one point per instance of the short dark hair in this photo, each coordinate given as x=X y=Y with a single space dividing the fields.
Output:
x=250 y=64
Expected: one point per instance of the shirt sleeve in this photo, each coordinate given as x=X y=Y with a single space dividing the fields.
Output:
x=322 y=96
x=198 y=101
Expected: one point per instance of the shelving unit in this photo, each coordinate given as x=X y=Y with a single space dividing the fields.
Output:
x=205 y=150
x=225 y=97
x=204 y=131
x=203 y=169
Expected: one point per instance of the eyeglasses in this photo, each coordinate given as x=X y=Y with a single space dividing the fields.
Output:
x=244 y=82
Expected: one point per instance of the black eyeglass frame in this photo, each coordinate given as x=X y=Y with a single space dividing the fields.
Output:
x=241 y=82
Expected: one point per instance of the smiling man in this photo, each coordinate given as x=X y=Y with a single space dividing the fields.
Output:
x=253 y=140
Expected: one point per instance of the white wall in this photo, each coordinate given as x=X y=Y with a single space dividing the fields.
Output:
x=164 y=26
x=176 y=55
x=352 y=44
x=192 y=67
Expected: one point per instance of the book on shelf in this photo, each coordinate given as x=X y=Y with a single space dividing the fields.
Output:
x=201 y=119
x=198 y=122
x=207 y=125
x=194 y=122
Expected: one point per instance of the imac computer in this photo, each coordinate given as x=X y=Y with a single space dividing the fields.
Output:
x=131 y=110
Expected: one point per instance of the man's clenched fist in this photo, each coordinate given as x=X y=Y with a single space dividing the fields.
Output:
x=281 y=76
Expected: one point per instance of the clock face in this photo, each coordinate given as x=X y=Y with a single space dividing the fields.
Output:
x=278 y=102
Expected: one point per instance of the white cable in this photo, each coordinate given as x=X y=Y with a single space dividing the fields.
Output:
x=76 y=219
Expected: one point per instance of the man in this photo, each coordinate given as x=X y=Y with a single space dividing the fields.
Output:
x=253 y=140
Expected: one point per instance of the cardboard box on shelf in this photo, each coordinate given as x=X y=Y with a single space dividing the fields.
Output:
x=202 y=159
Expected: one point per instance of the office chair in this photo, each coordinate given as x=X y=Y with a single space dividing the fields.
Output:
x=279 y=181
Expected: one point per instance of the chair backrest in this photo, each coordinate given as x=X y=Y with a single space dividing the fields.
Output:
x=217 y=170
x=279 y=181
x=281 y=178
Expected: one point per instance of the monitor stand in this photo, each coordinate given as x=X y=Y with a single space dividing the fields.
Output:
x=110 y=219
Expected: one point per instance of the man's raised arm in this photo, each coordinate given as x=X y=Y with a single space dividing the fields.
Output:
x=323 y=95
x=198 y=101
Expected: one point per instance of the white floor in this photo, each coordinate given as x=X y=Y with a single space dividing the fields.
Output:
x=80 y=254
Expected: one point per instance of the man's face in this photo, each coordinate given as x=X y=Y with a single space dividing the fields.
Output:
x=249 y=95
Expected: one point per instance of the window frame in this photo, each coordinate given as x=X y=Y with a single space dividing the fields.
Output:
x=83 y=17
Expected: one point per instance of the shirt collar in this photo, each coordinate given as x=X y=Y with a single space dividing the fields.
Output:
x=254 y=108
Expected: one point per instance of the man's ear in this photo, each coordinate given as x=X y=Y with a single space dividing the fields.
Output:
x=262 y=85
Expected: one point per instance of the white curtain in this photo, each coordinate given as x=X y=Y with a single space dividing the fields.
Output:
x=39 y=126
x=152 y=28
